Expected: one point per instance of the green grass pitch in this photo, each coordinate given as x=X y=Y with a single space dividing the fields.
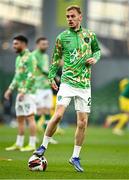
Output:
x=103 y=156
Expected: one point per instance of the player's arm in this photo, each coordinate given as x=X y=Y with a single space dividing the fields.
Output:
x=96 y=53
x=14 y=82
x=44 y=65
x=59 y=72
x=57 y=56
x=12 y=86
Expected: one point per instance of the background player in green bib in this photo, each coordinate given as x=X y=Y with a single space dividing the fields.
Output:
x=79 y=49
x=23 y=81
x=43 y=96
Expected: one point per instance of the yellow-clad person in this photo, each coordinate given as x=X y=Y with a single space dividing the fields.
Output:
x=123 y=117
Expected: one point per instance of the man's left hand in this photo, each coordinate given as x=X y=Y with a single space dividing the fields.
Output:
x=91 y=61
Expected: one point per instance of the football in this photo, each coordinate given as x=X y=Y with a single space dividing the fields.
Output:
x=37 y=163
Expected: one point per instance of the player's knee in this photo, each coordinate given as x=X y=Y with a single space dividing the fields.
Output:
x=31 y=121
x=32 y=124
x=82 y=123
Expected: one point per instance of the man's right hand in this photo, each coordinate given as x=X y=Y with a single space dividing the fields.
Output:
x=54 y=85
x=7 y=94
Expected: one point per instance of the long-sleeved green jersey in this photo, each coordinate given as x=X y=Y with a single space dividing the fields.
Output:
x=75 y=47
x=41 y=70
x=24 y=77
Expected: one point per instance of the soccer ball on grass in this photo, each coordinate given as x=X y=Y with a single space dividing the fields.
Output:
x=37 y=163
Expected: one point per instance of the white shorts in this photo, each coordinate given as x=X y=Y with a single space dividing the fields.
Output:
x=43 y=98
x=25 y=107
x=82 y=97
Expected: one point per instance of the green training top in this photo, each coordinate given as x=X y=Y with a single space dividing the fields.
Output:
x=42 y=70
x=24 y=77
x=75 y=47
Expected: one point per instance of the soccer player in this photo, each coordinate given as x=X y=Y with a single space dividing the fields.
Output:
x=80 y=50
x=23 y=81
x=43 y=90
x=123 y=117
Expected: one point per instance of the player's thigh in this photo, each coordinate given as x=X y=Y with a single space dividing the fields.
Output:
x=47 y=110
x=30 y=118
x=21 y=120
x=41 y=111
x=59 y=111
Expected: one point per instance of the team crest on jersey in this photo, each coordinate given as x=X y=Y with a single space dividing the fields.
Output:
x=86 y=39
x=59 y=98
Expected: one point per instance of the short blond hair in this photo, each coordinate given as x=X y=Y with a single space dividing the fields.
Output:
x=77 y=8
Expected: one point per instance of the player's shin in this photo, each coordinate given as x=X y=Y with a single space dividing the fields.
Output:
x=82 y=119
x=32 y=127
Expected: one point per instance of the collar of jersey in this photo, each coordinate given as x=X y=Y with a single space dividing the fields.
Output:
x=39 y=51
x=23 y=52
x=80 y=29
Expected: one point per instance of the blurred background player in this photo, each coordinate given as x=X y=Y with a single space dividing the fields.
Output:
x=23 y=81
x=43 y=89
x=123 y=117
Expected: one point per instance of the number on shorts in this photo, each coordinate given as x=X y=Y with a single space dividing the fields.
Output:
x=27 y=107
x=89 y=101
